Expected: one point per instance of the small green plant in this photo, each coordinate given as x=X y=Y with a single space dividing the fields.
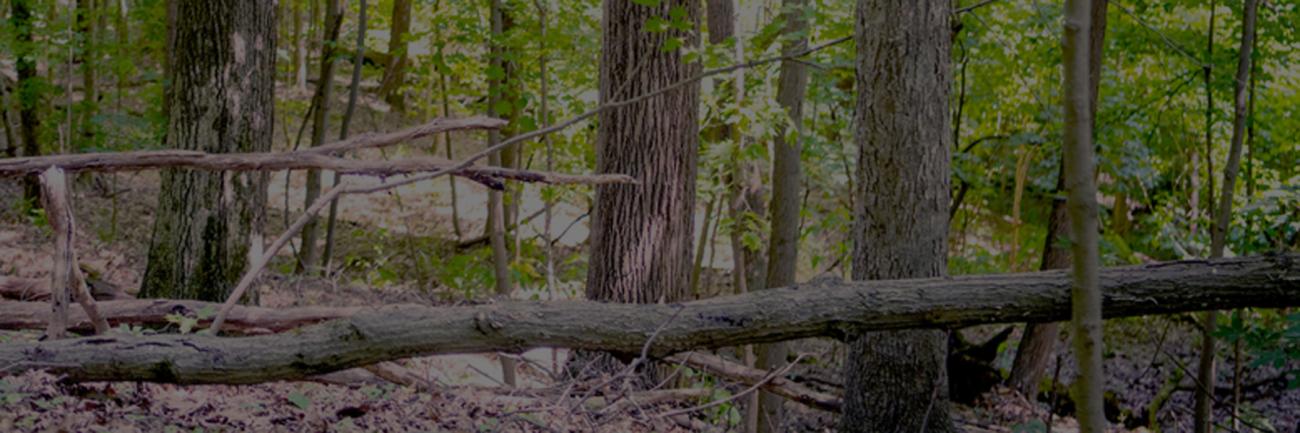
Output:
x=186 y=323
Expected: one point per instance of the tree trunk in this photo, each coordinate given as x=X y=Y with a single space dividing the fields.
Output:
x=1080 y=165
x=310 y=254
x=1039 y=340
x=496 y=203
x=354 y=92
x=825 y=308
x=6 y=103
x=787 y=182
x=87 y=10
x=390 y=87
x=123 y=49
x=641 y=234
x=1208 y=153
x=28 y=92
x=446 y=138
x=1204 y=408
x=207 y=220
x=897 y=381
x=299 y=48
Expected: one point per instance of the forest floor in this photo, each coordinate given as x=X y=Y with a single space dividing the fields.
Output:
x=1146 y=358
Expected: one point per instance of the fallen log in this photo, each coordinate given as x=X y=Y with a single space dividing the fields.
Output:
x=38 y=289
x=153 y=312
x=825 y=308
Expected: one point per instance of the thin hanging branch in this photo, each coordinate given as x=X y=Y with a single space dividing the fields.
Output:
x=616 y=104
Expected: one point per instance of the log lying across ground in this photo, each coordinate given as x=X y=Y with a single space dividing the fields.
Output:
x=152 y=312
x=824 y=308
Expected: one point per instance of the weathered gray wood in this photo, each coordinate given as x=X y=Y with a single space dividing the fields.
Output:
x=65 y=276
x=322 y=157
x=154 y=312
x=823 y=309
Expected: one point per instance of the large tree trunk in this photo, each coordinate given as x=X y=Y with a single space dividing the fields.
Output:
x=1039 y=341
x=207 y=220
x=827 y=308
x=390 y=88
x=309 y=258
x=897 y=381
x=28 y=93
x=787 y=182
x=641 y=234
x=1204 y=407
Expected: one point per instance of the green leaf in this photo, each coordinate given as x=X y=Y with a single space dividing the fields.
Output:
x=299 y=399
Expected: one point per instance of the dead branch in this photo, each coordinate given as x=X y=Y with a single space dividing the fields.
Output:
x=260 y=263
x=65 y=275
x=297 y=160
x=778 y=385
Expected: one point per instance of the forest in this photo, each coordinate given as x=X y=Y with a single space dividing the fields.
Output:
x=987 y=216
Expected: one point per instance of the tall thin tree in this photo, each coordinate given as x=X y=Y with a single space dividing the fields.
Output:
x=310 y=252
x=787 y=182
x=1039 y=341
x=897 y=380
x=28 y=92
x=496 y=226
x=1204 y=407
x=1080 y=163
x=390 y=87
x=354 y=92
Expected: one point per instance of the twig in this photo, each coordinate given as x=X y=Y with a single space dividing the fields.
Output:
x=269 y=253
x=733 y=397
x=627 y=371
x=1201 y=387
x=972 y=7
x=780 y=386
x=607 y=106
x=1163 y=37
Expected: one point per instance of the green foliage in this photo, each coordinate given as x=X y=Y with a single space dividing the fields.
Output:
x=302 y=401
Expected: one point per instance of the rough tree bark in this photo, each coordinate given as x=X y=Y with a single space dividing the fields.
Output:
x=1080 y=163
x=1204 y=404
x=207 y=220
x=28 y=93
x=390 y=87
x=1039 y=341
x=641 y=235
x=825 y=308
x=309 y=255
x=897 y=381
x=787 y=183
